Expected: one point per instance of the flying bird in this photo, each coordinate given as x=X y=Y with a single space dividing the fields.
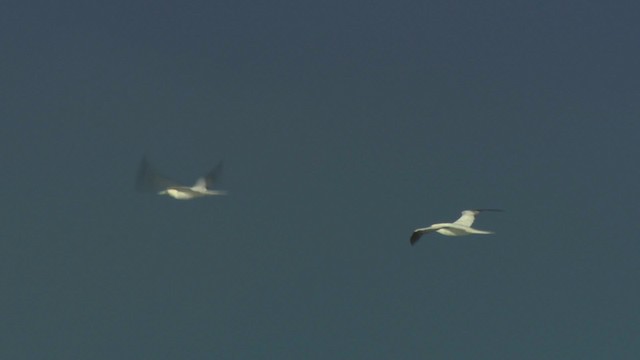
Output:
x=148 y=179
x=460 y=227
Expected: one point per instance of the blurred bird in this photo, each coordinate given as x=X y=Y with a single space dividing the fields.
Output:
x=460 y=227
x=148 y=179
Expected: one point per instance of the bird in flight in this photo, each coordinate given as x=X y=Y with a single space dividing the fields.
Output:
x=148 y=179
x=460 y=227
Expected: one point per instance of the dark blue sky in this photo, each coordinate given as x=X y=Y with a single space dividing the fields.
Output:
x=343 y=127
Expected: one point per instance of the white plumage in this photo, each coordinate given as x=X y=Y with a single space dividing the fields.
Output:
x=149 y=179
x=460 y=227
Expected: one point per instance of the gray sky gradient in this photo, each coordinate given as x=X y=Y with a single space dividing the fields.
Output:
x=342 y=127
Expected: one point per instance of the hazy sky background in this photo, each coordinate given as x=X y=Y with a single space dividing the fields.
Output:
x=343 y=126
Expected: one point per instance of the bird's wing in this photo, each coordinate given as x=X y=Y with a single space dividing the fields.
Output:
x=467 y=218
x=419 y=232
x=213 y=175
x=148 y=179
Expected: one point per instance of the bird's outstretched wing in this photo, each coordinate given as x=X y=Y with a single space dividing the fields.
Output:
x=469 y=216
x=149 y=180
x=417 y=234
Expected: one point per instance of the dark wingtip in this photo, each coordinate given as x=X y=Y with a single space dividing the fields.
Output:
x=142 y=175
x=414 y=238
x=215 y=173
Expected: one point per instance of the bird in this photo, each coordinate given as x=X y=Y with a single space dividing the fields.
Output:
x=148 y=179
x=460 y=227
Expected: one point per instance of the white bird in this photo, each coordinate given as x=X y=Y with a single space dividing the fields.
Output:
x=460 y=227
x=149 y=179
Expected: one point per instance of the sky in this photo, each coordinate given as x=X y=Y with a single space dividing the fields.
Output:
x=342 y=127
